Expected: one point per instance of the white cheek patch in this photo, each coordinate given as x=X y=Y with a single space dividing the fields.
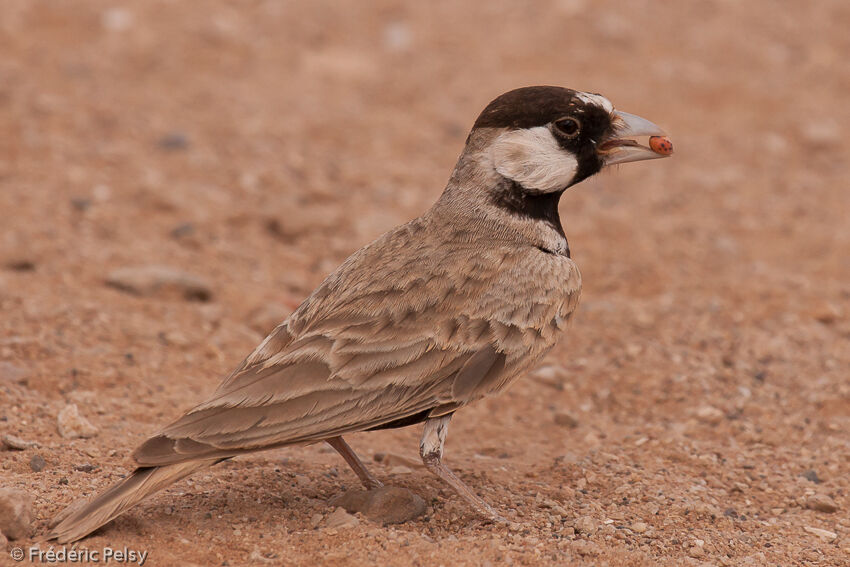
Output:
x=533 y=158
x=596 y=100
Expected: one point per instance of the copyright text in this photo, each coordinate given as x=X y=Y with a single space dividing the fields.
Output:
x=106 y=555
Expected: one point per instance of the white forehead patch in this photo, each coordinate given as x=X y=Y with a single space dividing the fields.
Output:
x=533 y=158
x=596 y=100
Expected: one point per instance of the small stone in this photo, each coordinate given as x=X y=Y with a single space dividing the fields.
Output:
x=15 y=513
x=266 y=317
x=710 y=415
x=311 y=219
x=385 y=505
x=639 y=527
x=161 y=282
x=339 y=518
x=20 y=265
x=821 y=503
x=823 y=534
x=116 y=19
x=401 y=469
x=182 y=230
x=822 y=134
x=16 y=443
x=81 y=204
x=566 y=420
x=174 y=338
x=397 y=36
x=394 y=460
x=37 y=463
x=72 y=425
x=586 y=548
x=174 y=141
x=552 y=375
x=585 y=525
x=316 y=519
x=11 y=373
x=696 y=551
x=812 y=476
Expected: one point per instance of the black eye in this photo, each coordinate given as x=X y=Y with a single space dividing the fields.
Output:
x=569 y=127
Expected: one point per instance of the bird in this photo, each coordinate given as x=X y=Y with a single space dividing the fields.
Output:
x=436 y=314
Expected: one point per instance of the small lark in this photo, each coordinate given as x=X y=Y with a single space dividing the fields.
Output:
x=440 y=312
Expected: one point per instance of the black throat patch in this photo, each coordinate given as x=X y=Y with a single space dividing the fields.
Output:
x=542 y=207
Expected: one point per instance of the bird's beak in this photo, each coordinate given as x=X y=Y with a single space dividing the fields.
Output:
x=620 y=148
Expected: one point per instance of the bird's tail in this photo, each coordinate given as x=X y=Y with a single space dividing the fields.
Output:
x=83 y=520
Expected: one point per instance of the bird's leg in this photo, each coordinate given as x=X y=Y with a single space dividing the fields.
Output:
x=431 y=451
x=354 y=462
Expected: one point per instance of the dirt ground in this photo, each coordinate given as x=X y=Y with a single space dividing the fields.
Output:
x=696 y=413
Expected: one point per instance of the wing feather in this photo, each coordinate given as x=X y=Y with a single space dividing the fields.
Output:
x=362 y=352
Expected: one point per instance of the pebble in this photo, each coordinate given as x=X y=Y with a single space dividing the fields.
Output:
x=174 y=141
x=812 y=476
x=394 y=460
x=20 y=265
x=11 y=373
x=81 y=204
x=289 y=228
x=15 y=513
x=566 y=420
x=552 y=375
x=696 y=552
x=339 y=518
x=586 y=548
x=823 y=534
x=710 y=415
x=16 y=443
x=639 y=527
x=160 y=282
x=266 y=317
x=116 y=19
x=385 y=505
x=585 y=525
x=397 y=36
x=819 y=135
x=37 y=463
x=821 y=503
x=182 y=230
x=316 y=519
x=74 y=426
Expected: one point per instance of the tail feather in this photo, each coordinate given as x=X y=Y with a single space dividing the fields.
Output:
x=83 y=520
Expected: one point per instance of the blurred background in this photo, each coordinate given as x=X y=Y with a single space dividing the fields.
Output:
x=176 y=177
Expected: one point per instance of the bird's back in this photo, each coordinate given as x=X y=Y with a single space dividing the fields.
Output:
x=419 y=322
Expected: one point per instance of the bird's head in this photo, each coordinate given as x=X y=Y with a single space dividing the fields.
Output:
x=546 y=139
x=525 y=149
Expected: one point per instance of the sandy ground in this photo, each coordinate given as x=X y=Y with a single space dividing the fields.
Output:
x=698 y=411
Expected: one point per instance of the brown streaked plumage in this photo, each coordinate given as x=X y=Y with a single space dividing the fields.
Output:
x=434 y=315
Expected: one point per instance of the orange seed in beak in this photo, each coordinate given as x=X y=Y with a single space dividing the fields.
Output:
x=661 y=145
